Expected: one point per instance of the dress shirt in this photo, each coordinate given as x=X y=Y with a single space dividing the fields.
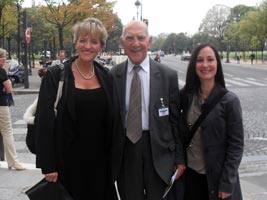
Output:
x=144 y=74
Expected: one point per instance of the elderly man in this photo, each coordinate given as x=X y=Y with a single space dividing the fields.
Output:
x=146 y=145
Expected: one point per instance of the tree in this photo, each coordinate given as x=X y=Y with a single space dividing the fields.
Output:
x=182 y=43
x=169 y=44
x=3 y=5
x=8 y=25
x=215 y=23
x=232 y=35
x=61 y=14
x=238 y=12
x=114 y=36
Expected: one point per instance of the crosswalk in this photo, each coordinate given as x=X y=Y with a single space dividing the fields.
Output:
x=232 y=81
x=25 y=157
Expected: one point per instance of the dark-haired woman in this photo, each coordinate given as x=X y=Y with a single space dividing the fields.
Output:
x=215 y=151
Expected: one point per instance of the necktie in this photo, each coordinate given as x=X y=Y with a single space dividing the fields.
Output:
x=134 y=118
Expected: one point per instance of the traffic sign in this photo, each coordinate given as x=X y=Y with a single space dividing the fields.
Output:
x=28 y=35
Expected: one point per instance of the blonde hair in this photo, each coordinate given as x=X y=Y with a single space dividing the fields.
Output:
x=92 y=27
x=2 y=52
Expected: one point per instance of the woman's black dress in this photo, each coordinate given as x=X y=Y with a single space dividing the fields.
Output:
x=85 y=161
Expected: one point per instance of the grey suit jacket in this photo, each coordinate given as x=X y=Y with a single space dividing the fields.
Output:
x=165 y=141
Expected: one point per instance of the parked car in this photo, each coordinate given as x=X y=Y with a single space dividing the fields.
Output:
x=161 y=53
x=185 y=56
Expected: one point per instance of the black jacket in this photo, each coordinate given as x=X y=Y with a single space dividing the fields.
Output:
x=223 y=141
x=51 y=130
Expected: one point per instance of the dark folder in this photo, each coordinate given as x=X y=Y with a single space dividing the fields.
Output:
x=45 y=190
x=2 y=155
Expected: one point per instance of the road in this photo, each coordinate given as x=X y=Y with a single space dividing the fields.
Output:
x=248 y=82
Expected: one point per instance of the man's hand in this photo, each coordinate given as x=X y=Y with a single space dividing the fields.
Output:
x=181 y=169
x=52 y=177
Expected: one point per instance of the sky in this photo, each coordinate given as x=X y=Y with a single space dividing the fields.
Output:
x=170 y=16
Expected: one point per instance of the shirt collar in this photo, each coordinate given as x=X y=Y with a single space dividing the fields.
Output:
x=144 y=65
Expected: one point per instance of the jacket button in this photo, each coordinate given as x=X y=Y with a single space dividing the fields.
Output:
x=212 y=192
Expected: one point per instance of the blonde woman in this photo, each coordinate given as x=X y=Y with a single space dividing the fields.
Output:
x=5 y=118
x=74 y=147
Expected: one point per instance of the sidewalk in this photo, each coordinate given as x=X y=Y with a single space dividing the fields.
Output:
x=247 y=63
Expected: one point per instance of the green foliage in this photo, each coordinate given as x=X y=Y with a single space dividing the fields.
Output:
x=241 y=28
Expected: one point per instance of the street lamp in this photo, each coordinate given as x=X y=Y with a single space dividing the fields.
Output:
x=137 y=4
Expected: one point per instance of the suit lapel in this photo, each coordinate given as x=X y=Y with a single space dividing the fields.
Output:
x=155 y=87
x=120 y=81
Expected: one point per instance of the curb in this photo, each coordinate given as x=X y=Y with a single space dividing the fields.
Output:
x=25 y=91
x=253 y=164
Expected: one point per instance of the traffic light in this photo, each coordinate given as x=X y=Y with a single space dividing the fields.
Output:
x=22 y=19
x=145 y=21
x=22 y=44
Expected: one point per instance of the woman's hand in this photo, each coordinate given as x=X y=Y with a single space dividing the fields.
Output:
x=52 y=177
x=223 y=195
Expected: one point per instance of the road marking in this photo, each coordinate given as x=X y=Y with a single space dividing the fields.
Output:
x=235 y=82
x=250 y=82
x=181 y=82
x=228 y=74
x=181 y=72
x=18 y=131
x=228 y=85
x=259 y=138
x=20 y=122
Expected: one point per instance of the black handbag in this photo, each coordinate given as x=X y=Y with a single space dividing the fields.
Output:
x=45 y=190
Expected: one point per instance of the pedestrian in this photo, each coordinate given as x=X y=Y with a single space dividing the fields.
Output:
x=238 y=58
x=157 y=58
x=214 y=153
x=146 y=147
x=5 y=117
x=61 y=56
x=252 y=57
x=74 y=146
x=221 y=56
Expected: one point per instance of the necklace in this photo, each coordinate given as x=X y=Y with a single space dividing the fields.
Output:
x=82 y=75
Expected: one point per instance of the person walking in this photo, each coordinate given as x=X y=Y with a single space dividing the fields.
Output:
x=74 y=146
x=238 y=58
x=61 y=56
x=252 y=57
x=146 y=144
x=5 y=117
x=157 y=58
x=215 y=151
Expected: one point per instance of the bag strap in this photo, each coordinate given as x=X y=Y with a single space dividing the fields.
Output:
x=206 y=109
x=60 y=86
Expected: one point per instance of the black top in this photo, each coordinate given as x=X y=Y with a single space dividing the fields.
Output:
x=86 y=158
x=3 y=78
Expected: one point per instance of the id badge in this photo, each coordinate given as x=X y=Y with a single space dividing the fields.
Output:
x=163 y=111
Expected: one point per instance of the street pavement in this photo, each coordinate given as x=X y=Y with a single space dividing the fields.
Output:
x=13 y=184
